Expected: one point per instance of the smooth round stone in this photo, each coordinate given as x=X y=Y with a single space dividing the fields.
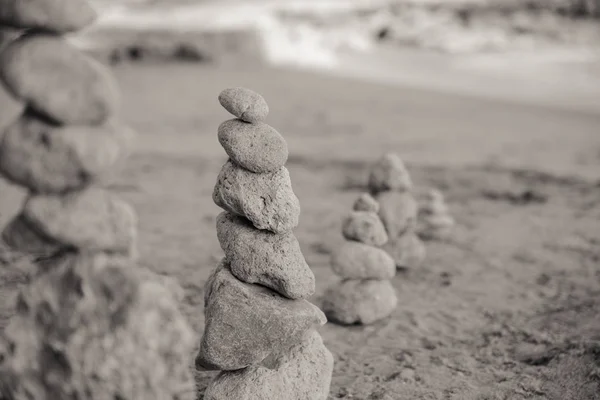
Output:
x=92 y=220
x=398 y=212
x=59 y=16
x=364 y=227
x=51 y=159
x=355 y=260
x=389 y=173
x=256 y=147
x=245 y=104
x=408 y=251
x=302 y=374
x=359 y=301
x=58 y=81
x=366 y=202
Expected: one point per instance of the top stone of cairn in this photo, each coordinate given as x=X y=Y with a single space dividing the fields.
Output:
x=58 y=16
x=245 y=104
x=389 y=174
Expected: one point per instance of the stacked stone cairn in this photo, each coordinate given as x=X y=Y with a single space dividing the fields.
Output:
x=260 y=329
x=365 y=294
x=435 y=221
x=89 y=324
x=390 y=184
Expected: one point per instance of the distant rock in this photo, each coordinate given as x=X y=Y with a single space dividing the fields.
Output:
x=389 y=173
x=408 y=251
x=303 y=374
x=245 y=104
x=398 y=212
x=355 y=260
x=59 y=16
x=267 y=200
x=245 y=323
x=366 y=202
x=364 y=227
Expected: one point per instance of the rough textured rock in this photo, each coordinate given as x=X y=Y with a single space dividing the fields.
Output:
x=366 y=202
x=256 y=147
x=364 y=227
x=303 y=374
x=50 y=159
x=265 y=199
x=359 y=301
x=59 y=16
x=244 y=104
x=247 y=323
x=389 y=173
x=92 y=219
x=408 y=251
x=266 y=258
x=57 y=80
x=88 y=330
x=355 y=260
x=20 y=236
x=398 y=212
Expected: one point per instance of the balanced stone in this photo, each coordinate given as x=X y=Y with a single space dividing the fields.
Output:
x=389 y=173
x=359 y=301
x=247 y=323
x=245 y=104
x=303 y=374
x=398 y=212
x=22 y=237
x=256 y=147
x=91 y=219
x=269 y=259
x=366 y=202
x=52 y=159
x=59 y=16
x=57 y=80
x=265 y=199
x=408 y=251
x=355 y=260
x=364 y=227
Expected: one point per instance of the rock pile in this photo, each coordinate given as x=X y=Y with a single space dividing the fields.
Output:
x=435 y=221
x=391 y=185
x=365 y=294
x=90 y=324
x=260 y=329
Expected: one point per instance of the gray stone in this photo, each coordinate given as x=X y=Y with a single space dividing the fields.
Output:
x=389 y=173
x=256 y=147
x=10 y=108
x=59 y=16
x=434 y=227
x=58 y=81
x=366 y=202
x=21 y=237
x=244 y=104
x=88 y=330
x=359 y=301
x=245 y=323
x=51 y=159
x=408 y=251
x=303 y=374
x=355 y=260
x=398 y=212
x=364 y=227
x=92 y=220
x=269 y=259
x=267 y=200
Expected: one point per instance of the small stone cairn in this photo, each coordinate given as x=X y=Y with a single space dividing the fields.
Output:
x=89 y=324
x=391 y=186
x=365 y=293
x=260 y=329
x=435 y=221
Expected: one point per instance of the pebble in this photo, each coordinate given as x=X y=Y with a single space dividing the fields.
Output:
x=364 y=227
x=58 y=16
x=244 y=104
x=269 y=259
x=267 y=200
x=20 y=236
x=408 y=251
x=398 y=212
x=256 y=147
x=389 y=173
x=58 y=81
x=92 y=220
x=49 y=159
x=359 y=301
x=355 y=260
x=366 y=202
x=303 y=374
x=247 y=323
